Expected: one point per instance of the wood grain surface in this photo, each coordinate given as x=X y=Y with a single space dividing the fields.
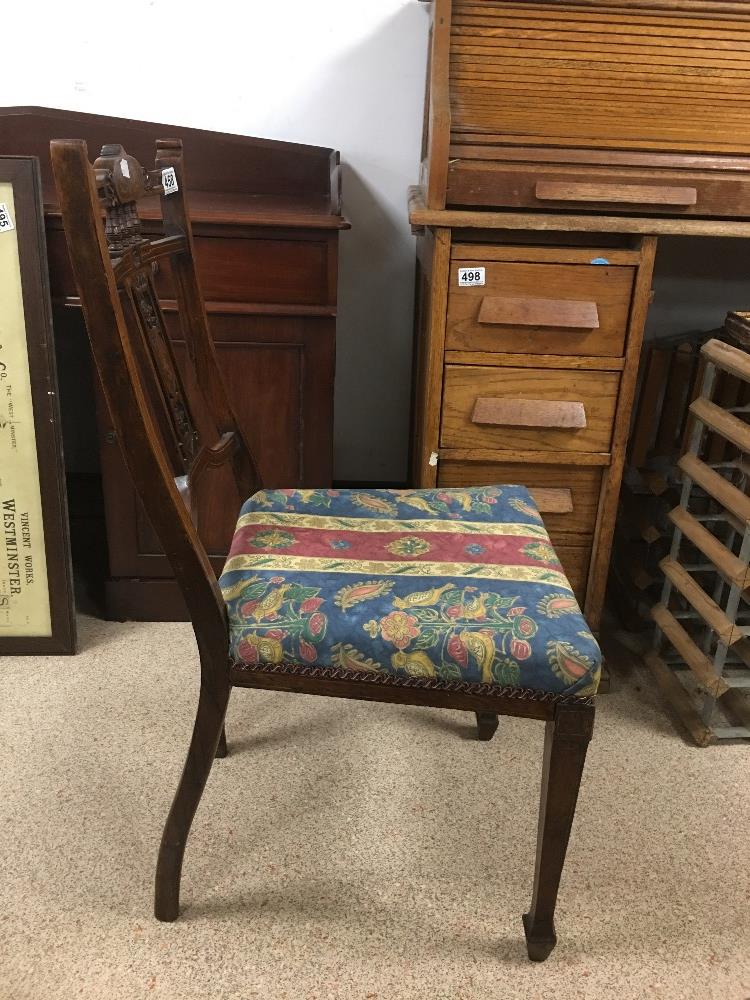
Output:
x=581 y=483
x=463 y=384
x=495 y=412
x=509 y=314
x=564 y=314
x=601 y=77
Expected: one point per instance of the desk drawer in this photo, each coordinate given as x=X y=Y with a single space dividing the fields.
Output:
x=567 y=495
x=528 y=409
x=575 y=560
x=567 y=309
x=719 y=192
x=567 y=498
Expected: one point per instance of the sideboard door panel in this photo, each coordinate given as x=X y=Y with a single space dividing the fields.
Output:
x=279 y=373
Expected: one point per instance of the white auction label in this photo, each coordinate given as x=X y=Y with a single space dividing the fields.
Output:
x=471 y=276
x=169 y=180
x=6 y=220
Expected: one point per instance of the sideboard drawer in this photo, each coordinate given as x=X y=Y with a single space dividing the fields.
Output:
x=567 y=495
x=292 y=271
x=566 y=309
x=528 y=409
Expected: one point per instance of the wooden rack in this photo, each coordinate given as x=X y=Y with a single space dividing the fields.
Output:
x=701 y=653
x=670 y=378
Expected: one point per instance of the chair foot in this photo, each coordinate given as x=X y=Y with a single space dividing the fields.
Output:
x=539 y=940
x=167 y=898
x=221 y=749
x=487 y=723
x=209 y=723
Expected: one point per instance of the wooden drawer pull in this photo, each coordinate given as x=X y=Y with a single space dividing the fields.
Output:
x=563 y=313
x=628 y=194
x=528 y=412
x=551 y=501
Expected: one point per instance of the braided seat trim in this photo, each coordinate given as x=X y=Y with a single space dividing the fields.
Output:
x=420 y=683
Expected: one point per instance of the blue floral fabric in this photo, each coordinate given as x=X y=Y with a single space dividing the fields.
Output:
x=448 y=584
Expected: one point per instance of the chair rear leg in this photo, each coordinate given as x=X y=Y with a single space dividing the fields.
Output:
x=221 y=749
x=565 y=743
x=487 y=723
x=209 y=723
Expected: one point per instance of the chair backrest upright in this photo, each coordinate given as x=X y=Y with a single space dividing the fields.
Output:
x=189 y=461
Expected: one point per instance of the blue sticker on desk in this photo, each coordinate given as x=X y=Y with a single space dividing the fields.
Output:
x=600 y=260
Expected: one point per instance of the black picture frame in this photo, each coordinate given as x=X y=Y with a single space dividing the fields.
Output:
x=23 y=173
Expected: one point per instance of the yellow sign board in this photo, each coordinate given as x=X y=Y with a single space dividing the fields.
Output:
x=24 y=591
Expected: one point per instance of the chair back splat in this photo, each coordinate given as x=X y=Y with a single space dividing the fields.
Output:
x=187 y=456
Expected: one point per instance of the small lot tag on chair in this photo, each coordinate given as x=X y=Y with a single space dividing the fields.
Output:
x=169 y=180
x=471 y=276
x=6 y=222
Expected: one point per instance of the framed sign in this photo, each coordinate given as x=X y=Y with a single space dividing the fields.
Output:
x=36 y=590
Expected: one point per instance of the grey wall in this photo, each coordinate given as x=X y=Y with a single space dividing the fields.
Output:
x=696 y=282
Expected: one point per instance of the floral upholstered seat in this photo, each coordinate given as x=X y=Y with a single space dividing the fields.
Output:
x=447 y=584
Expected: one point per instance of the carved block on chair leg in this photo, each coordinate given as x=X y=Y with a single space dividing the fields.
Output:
x=486 y=725
x=565 y=743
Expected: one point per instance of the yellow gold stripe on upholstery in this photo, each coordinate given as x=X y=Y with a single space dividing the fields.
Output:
x=373 y=567
x=325 y=523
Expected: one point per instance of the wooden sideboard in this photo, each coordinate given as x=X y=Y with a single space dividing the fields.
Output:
x=266 y=219
x=560 y=139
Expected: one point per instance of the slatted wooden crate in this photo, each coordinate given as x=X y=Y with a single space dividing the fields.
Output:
x=669 y=380
x=701 y=653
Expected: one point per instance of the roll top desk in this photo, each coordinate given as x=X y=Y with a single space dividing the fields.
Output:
x=560 y=140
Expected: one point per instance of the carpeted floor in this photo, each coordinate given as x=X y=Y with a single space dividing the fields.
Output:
x=346 y=850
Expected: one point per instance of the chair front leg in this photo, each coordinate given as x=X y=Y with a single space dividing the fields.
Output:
x=209 y=725
x=566 y=740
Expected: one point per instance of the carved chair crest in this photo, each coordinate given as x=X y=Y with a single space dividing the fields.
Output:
x=121 y=181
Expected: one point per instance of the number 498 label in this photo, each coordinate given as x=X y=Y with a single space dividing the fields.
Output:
x=169 y=180
x=470 y=276
x=6 y=222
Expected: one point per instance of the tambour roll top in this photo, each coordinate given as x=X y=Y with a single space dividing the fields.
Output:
x=640 y=107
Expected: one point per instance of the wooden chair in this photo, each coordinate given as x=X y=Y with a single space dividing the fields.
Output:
x=451 y=598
